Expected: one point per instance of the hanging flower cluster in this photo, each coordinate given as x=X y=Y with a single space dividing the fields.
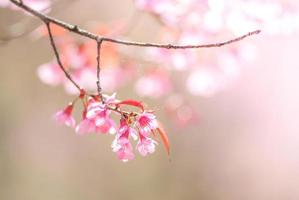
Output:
x=97 y=118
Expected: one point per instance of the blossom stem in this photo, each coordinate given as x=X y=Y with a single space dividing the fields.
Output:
x=58 y=57
x=99 y=88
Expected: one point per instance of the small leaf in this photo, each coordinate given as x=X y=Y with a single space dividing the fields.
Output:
x=164 y=138
x=132 y=102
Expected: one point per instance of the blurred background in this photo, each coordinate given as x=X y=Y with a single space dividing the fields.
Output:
x=245 y=144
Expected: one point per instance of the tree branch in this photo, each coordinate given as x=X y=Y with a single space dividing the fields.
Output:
x=85 y=33
x=99 y=88
x=58 y=57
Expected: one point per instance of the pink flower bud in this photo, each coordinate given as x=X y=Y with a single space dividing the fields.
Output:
x=65 y=116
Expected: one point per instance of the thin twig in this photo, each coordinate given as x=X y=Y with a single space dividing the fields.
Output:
x=85 y=33
x=58 y=57
x=99 y=88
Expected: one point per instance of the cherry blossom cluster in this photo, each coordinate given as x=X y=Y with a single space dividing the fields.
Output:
x=97 y=118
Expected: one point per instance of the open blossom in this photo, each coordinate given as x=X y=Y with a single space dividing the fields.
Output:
x=121 y=144
x=65 y=116
x=85 y=126
x=146 y=122
x=145 y=145
x=123 y=149
x=99 y=114
x=105 y=125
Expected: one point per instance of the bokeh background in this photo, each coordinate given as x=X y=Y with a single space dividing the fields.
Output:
x=246 y=145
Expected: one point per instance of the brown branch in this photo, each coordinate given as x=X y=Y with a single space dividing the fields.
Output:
x=58 y=57
x=85 y=33
x=100 y=39
x=99 y=88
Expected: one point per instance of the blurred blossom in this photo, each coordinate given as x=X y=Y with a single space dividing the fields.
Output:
x=39 y=5
x=175 y=59
x=213 y=22
x=238 y=16
x=247 y=52
x=86 y=77
x=203 y=82
x=180 y=112
x=50 y=73
x=228 y=64
x=154 y=84
x=115 y=77
x=4 y=3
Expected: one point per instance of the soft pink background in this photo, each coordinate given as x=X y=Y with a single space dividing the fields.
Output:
x=245 y=147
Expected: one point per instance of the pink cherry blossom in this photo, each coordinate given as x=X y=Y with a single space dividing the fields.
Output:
x=145 y=144
x=126 y=130
x=105 y=125
x=123 y=149
x=121 y=144
x=65 y=116
x=146 y=122
x=85 y=126
x=98 y=113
